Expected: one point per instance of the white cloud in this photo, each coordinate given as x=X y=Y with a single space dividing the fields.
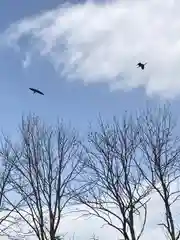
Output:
x=27 y=60
x=103 y=42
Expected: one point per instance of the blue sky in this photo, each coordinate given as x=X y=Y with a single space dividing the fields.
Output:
x=99 y=45
x=74 y=101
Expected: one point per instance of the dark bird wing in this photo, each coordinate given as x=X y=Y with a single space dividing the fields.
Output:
x=36 y=91
x=33 y=89
x=39 y=92
x=141 y=65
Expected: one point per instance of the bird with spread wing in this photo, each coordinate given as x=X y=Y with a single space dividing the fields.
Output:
x=36 y=91
x=141 y=65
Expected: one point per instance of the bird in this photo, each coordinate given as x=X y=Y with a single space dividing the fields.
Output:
x=141 y=65
x=36 y=91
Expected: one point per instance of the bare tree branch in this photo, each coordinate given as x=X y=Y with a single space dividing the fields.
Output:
x=160 y=150
x=115 y=189
x=45 y=169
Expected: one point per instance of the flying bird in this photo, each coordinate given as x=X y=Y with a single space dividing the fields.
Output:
x=141 y=65
x=36 y=91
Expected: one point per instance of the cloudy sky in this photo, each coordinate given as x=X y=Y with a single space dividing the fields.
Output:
x=83 y=56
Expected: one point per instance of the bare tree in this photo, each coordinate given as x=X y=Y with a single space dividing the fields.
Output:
x=115 y=190
x=5 y=170
x=159 y=164
x=45 y=167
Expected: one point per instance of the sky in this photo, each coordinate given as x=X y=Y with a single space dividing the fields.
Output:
x=83 y=56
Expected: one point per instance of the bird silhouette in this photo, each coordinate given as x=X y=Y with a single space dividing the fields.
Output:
x=141 y=65
x=36 y=91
